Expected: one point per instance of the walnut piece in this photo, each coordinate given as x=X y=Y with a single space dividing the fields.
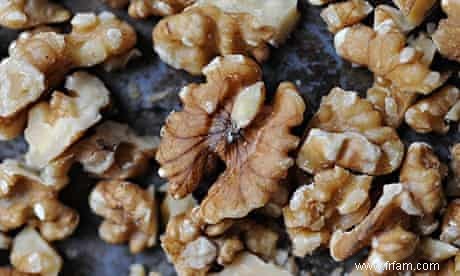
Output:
x=145 y=8
x=390 y=101
x=23 y=14
x=30 y=197
x=436 y=251
x=55 y=125
x=349 y=131
x=453 y=186
x=5 y=241
x=392 y=208
x=415 y=11
x=336 y=199
x=191 y=39
x=429 y=114
x=194 y=247
x=115 y=151
x=171 y=207
x=450 y=231
x=32 y=254
x=422 y=174
x=447 y=35
x=250 y=265
x=340 y=15
x=6 y=271
x=385 y=52
x=256 y=156
x=130 y=213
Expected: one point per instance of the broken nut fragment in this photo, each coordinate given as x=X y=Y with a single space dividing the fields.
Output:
x=55 y=125
x=450 y=231
x=171 y=207
x=447 y=35
x=250 y=265
x=385 y=52
x=130 y=214
x=340 y=15
x=191 y=39
x=453 y=185
x=414 y=11
x=337 y=199
x=146 y=8
x=429 y=114
x=24 y=14
x=436 y=251
x=256 y=156
x=115 y=151
x=31 y=254
x=349 y=132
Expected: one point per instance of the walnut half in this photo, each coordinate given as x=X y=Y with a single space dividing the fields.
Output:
x=255 y=153
x=191 y=39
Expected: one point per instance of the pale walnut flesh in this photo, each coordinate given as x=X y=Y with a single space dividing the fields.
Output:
x=415 y=11
x=115 y=151
x=250 y=265
x=336 y=199
x=23 y=14
x=385 y=52
x=450 y=230
x=31 y=254
x=130 y=213
x=55 y=125
x=393 y=207
x=349 y=131
x=194 y=247
x=447 y=35
x=340 y=15
x=429 y=114
x=453 y=185
x=191 y=39
x=435 y=250
x=29 y=197
x=256 y=156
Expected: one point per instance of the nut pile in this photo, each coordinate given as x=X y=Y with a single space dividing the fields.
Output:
x=265 y=180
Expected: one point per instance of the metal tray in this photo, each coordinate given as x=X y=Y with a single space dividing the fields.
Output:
x=147 y=91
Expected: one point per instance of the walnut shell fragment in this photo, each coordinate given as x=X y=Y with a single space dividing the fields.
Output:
x=31 y=197
x=392 y=208
x=349 y=132
x=55 y=125
x=430 y=114
x=340 y=15
x=32 y=254
x=447 y=35
x=40 y=60
x=191 y=39
x=130 y=213
x=385 y=51
x=194 y=247
x=256 y=156
x=115 y=151
x=336 y=199
x=23 y=14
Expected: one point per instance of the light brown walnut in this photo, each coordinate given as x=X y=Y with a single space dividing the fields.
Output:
x=450 y=230
x=340 y=15
x=336 y=199
x=385 y=51
x=415 y=11
x=434 y=250
x=195 y=247
x=145 y=8
x=395 y=206
x=115 y=151
x=31 y=254
x=453 y=185
x=24 y=14
x=31 y=197
x=191 y=39
x=422 y=175
x=255 y=154
x=447 y=35
x=349 y=132
x=7 y=271
x=429 y=114
x=39 y=60
x=130 y=213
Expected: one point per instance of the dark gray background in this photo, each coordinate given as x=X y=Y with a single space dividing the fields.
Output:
x=308 y=58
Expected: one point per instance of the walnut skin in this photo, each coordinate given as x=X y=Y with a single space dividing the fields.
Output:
x=191 y=39
x=40 y=60
x=23 y=14
x=336 y=199
x=256 y=156
x=130 y=214
x=429 y=114
x=349 y=132
x=29 y=199
x=447 y=35
x=385 y=52
x=340 y=15
x=194 y=247
x=115 y=151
